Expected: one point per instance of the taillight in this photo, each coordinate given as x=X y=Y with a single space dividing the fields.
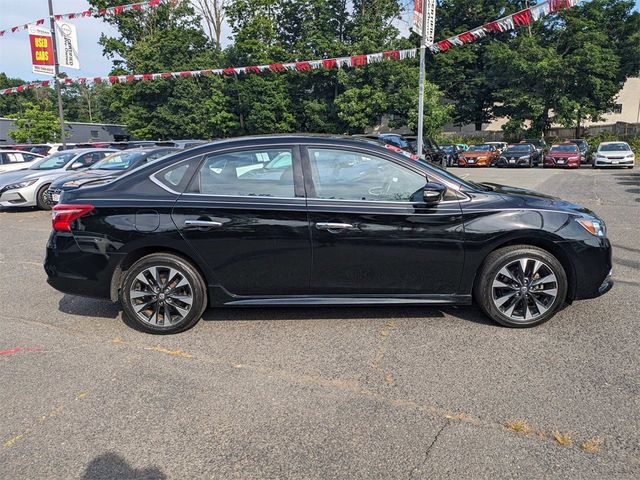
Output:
x=62 y=215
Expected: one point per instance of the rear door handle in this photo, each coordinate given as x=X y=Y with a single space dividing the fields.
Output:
x=335 y=227
x=202 y=223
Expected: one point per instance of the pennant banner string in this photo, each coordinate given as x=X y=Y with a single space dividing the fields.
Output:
x=132 y=7
x=523 y=17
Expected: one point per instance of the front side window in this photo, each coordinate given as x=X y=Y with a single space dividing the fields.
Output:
x=349 y=175
x=264 y=172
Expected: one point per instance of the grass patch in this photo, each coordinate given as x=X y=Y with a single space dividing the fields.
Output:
x=520 y=426
x=563 y=439
x=592 y=446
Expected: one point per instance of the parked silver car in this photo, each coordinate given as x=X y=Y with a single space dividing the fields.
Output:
x=613 y=154
x=26 y=188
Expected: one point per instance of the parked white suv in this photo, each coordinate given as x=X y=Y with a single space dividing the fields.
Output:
x=613 y=154
x=11 y=160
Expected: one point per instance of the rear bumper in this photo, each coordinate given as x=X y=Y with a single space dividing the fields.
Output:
x=78 y=271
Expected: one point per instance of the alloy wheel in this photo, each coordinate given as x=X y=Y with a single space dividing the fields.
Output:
x=161 y=296
x=524 y=289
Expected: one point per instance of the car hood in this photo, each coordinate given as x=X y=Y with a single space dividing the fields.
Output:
x=614 y=154
x=13 y=176
x=87 y=176
x=523 y=198
x=476 y=154
x=507 y=153
x=563 y=154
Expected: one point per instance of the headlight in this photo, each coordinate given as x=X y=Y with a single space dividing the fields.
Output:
x=15 y=186
x=600 y=156
x=595 y=227
x=631 y=155
x=524 y=157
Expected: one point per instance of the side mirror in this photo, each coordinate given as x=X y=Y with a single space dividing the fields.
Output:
x=76 y=165
x=432 y=193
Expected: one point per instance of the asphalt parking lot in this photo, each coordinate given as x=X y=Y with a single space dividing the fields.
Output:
x=394 y=392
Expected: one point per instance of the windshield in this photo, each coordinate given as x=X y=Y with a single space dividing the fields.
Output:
x=614 y=147
x=519 y=148
x=564 y=148
x=448 y=148
x=57 y=160
x=118 y=161
x=580 y=143
x=479 y=148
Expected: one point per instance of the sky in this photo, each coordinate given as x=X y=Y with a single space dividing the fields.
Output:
x=15 y=56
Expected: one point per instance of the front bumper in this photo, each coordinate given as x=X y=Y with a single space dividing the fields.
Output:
x=513 y=162
x=561 y=163
x=465 y=162
x=613 y=162
x=592 y=263
x=20 y=197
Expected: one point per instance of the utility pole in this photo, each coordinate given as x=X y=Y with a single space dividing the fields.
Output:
x=56 y=71
x=423 y=48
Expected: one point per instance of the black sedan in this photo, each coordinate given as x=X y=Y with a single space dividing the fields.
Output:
x=332 y=220
x=105 y=170
x=519 y=155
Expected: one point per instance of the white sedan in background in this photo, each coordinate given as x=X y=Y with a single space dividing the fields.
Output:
x=11 y=160
x=613 y=154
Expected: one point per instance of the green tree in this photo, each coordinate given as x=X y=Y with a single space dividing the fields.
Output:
x=167 y=38
x=463 y=73
x=569 y=70
x=36 y=124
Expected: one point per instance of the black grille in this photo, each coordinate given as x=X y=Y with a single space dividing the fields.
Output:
x=50 y=193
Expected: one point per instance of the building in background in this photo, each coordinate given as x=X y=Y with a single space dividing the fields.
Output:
x=78 y=132
x=623 y=119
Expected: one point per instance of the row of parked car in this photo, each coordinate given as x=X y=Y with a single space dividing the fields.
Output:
x=527 y=153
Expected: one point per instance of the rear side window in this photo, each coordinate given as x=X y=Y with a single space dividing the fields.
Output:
x=14 y=158
x=247 y=173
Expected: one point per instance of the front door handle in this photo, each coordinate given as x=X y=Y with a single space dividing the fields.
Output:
x=201 y=224
x=334 y=227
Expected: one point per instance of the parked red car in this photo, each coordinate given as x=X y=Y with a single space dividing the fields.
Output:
x=565 y=155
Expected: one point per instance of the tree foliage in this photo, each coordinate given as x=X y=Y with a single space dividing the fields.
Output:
x=36 y=124
x=565 y=69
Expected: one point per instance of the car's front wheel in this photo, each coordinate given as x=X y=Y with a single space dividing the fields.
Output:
x=163 y=293
x=41 y=198
x=521 y=286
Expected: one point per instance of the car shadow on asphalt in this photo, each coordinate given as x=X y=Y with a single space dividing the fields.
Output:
x=89 y=307
x=630 y=179
x=467 y=313
x=111 y=465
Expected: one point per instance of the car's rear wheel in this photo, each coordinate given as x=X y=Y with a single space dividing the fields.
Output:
x=521 y=286
x=163 y=293
x=41 y=198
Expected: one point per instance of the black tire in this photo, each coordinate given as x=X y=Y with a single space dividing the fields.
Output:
x=196 y=287
x=41 y=199
x=495 y=262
